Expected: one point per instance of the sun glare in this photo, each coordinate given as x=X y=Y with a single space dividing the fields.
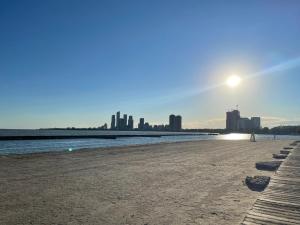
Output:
x=233 y=81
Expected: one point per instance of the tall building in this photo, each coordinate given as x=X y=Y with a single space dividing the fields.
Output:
x=122 y=124
x=141 y=124
x=118 y=120
x=244 y=124
x=113 y=122
x=172 y=119
x=234 y=122
x=232 y=119
x=175 y=123
x=125 y=120
x=178 y=121
x=255 y=123
x=130 y=123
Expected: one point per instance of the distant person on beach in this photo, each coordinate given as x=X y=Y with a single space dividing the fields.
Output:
x=274 y=136
x=252 y=138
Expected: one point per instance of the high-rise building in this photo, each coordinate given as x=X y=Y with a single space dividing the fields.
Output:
x=141 y=124
x=118 y=120
x=130 y=123
x=113 y=122
x=234 y=122
x=178 y=121
x=125 y=120
x=244 y=124
x=122 y=124
x=175 y=123
x=255 y=123
x=232 y=119
x=172 y=119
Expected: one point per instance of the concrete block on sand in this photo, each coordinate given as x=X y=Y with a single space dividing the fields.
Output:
x=270 y=166
x=257 y=183
x=279 y=156
x=294 y=143
x=285 y=152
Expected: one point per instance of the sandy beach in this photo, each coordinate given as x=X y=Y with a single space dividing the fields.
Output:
x=199 y=182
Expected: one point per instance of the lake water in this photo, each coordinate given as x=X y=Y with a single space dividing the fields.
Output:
x=32 y=146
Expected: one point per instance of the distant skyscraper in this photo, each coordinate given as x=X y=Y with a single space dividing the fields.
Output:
x=118 y=119
x=234 y=122
x=178 y=121
x=122 y=124
x=130 y=123
x=172 y=125
x=255 y=123
x=244 y=124
x=232 y=119
x=141 y=124
x=113 y=122
x=125 y=120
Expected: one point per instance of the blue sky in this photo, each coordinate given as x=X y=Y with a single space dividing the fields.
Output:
x=74 y=63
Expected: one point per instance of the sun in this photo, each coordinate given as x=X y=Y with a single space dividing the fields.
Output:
x=233 y=81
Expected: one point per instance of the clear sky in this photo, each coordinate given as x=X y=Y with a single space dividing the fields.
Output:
x=74 y=63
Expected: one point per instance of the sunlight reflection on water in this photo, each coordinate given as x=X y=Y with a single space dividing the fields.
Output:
x=235 y=136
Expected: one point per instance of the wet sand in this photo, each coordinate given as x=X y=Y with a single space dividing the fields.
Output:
x=199 y=182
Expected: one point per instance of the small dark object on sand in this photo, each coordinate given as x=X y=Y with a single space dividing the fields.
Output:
x=294 y=143
x=279 y=156
x=270 y=166
x=285 y=152
x=288 y=148
x=257 y=183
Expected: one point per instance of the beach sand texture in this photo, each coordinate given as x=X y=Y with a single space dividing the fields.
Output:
x=199 y=182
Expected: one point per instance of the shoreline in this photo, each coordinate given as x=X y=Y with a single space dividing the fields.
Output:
x=98 y=149
x=68 y=148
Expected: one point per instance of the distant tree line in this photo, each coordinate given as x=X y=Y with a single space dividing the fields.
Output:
x=207 y=130
x=284 y=130
x=289 y=130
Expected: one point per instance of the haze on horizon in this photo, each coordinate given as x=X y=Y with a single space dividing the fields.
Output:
x=74 y=63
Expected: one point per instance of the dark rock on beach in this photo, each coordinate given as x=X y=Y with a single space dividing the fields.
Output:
x=257 y=183
x=270 y=166
x=285 y=152
x=279 y=156
x=294 y=143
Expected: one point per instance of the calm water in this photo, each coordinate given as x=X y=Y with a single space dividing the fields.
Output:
x=21 y=147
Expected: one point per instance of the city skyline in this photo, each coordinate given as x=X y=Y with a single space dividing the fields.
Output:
x=119 y=122
x=234 y=122
x=73 y=63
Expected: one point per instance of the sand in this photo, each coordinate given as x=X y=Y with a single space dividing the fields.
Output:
x=199 y=182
